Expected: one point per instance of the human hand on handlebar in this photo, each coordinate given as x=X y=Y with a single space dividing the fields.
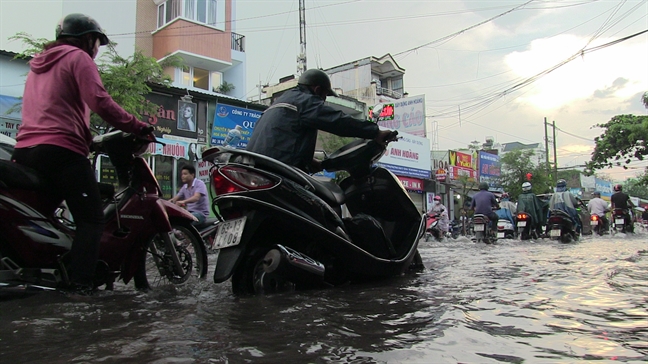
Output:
x=386 y=136
x=146 y=131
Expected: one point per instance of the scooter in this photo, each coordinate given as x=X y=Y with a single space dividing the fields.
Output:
x=482 y=229
x=283 y=229
x=524 y=226
x=432 y=228
x=137 y=242
x=207 y=231
x=505 y=229
x=599 y=224
x=622 y=221
x=561 y=226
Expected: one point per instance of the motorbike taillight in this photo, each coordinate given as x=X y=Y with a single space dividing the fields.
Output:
x=594 y=218
x=521 y=216
x=230 y=179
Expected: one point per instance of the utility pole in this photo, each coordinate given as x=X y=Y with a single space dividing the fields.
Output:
x=301 y=58
x=555 y=154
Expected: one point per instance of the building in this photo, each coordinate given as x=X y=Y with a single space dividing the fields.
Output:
x=537 y=148
x=12 y=84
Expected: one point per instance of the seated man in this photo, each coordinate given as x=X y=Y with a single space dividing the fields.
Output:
x=531 y=204
x=597 y=206
x=192 y=195
x=483 y=203
x=563 y=200
x=439 y=209
x=507 y=209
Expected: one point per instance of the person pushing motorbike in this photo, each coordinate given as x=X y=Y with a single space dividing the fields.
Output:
x=531 y=204
x=62 y=86
x=287 y=130
x=483 y=202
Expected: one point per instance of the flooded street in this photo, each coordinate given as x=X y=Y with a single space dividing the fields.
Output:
x=513 y=302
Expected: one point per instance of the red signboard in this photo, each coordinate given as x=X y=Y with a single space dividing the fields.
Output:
x=413 y=184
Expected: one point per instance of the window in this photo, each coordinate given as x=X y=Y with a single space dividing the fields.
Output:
x=198 y=78
x=397 y=85
x=201 y=78
x=209 y=12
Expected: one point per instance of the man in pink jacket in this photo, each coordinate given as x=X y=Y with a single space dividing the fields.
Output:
x=62 y=87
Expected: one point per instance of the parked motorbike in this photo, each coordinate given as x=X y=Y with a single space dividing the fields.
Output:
x=283 y=230
x=207 y=231
x=561 y=226
x=599 y=224
x=505 y=229
x=455 y=229
x=432 y=228
x=137 y=242
x=622 y=221
x=482 y=229
x=524 y=226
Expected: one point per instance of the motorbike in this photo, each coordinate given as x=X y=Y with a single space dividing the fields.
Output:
x=432 y=228
x=283 y=230
x=137 y=242
x=561 y=226
x=505 y=229
x=622 y=221
x=599 y=224
x=482 y=229
x=207 y=231
x=524 y=226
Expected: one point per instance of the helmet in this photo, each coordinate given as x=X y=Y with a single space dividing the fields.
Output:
x=618 y=188
x=315 y=77
x=437 y=198
x=483 y=186
x=526 y=187
x=505 y=195
x=76 y=25
x=561 y=183
x=596 y=194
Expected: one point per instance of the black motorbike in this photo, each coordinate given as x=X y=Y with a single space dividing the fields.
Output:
x=622 y=221
x=283 y=229
x=600 y=224
x=561 y=227
x=525 y=228
x=482 y=229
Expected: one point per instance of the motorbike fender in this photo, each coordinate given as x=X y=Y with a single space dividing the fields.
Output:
x=227 y=260
x=166 y=211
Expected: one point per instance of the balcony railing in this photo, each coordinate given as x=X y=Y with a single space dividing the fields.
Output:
x=238 y=42
x=388 y=92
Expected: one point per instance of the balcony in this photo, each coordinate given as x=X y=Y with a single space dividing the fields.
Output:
x=238 y=42
x=388 y=92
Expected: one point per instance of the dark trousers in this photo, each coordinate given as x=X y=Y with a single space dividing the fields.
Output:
x=70 y=177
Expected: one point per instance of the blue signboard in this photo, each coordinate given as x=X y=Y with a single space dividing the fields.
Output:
x=605 y=188
x=490 y=169
x=233 y=126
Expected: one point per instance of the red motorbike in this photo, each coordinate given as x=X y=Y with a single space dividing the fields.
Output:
x=432 y=227
x=145 y=238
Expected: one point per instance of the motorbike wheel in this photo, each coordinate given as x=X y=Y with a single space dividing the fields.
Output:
x=157 y=268
x=251 y=279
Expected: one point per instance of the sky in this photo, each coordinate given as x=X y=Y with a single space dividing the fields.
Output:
x=486 y=68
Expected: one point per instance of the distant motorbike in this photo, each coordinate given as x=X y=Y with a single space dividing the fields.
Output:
x=505 y=229
x=561 y=226
x=482 y=229
x=622 y=221
x=283 y=229
x=525 y=228
x=599 y=224
x=432 y=228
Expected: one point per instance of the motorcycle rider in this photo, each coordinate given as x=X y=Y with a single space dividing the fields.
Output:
x=483 y=202
x=531 y=204
x=192 y=194
x=621 y=200
x=62 y=86
x=597 y=206
x=287 y=130
x=563 y=200
x=507 y=208
x=439 y=209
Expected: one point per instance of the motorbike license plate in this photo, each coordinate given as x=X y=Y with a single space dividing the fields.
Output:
x=619 y=221
x=554 y=232
x=479 y=227
x=521 y=223
x=594 y=222
x=500 y=235
x=229 y=233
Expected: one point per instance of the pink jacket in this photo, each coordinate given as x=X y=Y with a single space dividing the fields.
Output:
x=61 y=89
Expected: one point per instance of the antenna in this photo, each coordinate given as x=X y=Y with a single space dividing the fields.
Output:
x=301 y=58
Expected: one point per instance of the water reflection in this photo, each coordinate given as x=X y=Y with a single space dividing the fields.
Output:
x=512 y=302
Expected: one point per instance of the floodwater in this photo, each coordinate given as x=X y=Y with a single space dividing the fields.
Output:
x=512 y=302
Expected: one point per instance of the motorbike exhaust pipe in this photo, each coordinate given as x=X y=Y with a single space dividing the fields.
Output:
x=293 y=266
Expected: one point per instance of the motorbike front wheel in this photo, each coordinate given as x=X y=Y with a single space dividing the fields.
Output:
x=158 y=268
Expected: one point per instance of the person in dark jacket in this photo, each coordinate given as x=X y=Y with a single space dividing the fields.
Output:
x=531 y=204
x=287 y=130
x=483 y=202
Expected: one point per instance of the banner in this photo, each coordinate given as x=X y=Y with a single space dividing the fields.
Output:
x=233 y=126
x=409 y=115
x=489 y=168
x=409 y=156
x=413 y=184
x=605 y=188
x=462 y=164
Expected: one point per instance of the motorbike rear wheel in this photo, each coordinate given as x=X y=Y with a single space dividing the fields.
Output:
x=250 y=278
x=158 y=268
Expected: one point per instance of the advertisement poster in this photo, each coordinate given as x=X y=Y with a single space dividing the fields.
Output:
x=409 y=156
x=490 y=169
x=233 y=126
x=462 y=164
x=175 y=148
x=605 y=188
x=178 y=117
x=409 y=116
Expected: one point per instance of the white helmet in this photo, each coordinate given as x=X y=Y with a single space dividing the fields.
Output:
x=526 y=187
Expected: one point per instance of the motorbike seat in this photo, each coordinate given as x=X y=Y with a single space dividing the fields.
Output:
x=208 y=222
x=14 y=175
x=328 y=190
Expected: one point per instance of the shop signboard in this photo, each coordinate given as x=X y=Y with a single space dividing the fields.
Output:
x=462 y=164
x=175 y=116
x=9 y=122
x=409 y=156
x=175 y=148
x=233 y=126
x=409 y=115
x=412 y=184
x=489 y=168
x=605 y=188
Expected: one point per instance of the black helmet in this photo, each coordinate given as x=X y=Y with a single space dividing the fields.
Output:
x=561 y=183
x=483 y=186
x=76 y=25
x=596 y=193
x=315 y=77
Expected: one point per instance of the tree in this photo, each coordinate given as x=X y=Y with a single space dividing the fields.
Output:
x=638 y=186
x=125 y=79
x=515 y=166
x=623 y=140
x=224 y=88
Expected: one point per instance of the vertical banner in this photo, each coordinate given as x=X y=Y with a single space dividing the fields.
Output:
x=490 y=169
x=462 y=164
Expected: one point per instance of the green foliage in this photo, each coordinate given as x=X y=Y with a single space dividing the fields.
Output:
x=224 y=88
x=125 y=79
x=637 y=186
x=623 y=141
x=515 y=166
